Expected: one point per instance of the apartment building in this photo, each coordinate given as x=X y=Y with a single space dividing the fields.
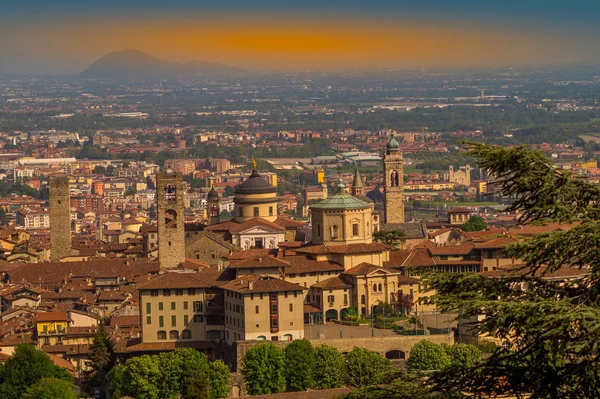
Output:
x=33 y=218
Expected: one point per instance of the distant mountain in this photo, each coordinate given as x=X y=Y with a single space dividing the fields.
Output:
x=132 y=64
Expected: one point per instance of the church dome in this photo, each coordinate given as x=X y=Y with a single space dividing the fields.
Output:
x=255 y=184
x=393 y=144
x=212 y=195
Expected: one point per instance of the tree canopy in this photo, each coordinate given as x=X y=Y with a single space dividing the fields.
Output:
x=263 y=368
x=299 y=365
x=50 y=388
x=475 y=223
x=550 y=328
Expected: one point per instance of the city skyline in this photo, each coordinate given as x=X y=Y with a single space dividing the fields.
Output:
x=68 y=36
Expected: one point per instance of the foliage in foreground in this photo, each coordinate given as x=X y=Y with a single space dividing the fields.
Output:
x=550 y=327
x=167 y=375
x=50 y=388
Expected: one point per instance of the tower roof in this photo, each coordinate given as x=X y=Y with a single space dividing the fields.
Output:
x=357 y=180
x=393 y=144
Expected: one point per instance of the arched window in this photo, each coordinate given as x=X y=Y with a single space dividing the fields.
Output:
x=363 y=300
x=261 y=338
x=170 y=219
x=160 y=335
x=173 y=334
x=379 y=289
x=170 y=192
x=334 y=231
x=394 y=179
x=374 y=287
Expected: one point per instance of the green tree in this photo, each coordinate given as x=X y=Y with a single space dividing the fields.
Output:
x=142 y=376
x=550 y=327
x=101 y=351
x=365 y=367
x=329 y=367
x=299 y=365
x=403 y=385
x=190 y=360
x=3 y=218
x=116 y=380
x=426 y=355
x=50 y=388
x=463 y=355
x=475 y=223
x=168 y=383
x=220 y=379
x=392 y=238
x=26 y=367
x=263 y=368
x=196 y=386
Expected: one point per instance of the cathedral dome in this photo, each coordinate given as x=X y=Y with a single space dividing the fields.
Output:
x=255 y=184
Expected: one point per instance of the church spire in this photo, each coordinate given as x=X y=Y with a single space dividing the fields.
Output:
x=357 y=185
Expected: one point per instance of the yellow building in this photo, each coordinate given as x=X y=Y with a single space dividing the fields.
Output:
x=255 y=198
x=51 y=327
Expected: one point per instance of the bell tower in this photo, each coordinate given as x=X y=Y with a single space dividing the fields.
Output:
x=171 y=235
x=212 y=206
x=393 y=179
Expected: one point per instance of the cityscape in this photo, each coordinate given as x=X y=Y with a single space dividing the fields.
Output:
x=269 y=212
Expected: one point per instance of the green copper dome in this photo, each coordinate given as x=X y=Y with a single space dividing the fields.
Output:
x=393 y=145
x=341 y=200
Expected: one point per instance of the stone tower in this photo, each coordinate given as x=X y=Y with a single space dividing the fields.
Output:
x=393 y=189
x=171 y=235
x=60 y=218
x=212 y=206
x=357 y=186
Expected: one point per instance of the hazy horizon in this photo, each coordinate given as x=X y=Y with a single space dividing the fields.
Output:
x=67 y=36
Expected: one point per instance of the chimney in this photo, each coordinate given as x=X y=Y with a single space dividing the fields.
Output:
x=250 y=285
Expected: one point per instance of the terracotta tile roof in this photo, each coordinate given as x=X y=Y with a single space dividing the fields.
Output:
x=249 y=253
x=398 y=257
x=137 y=346
x=459 y=210
x=344 y=249
x=402 y=279
x=333 y=283
x=125 y=321
x=60 y=362
x=302 y=264
x=57 y=315
x=418 y=257
x=256 y=222
x=564 y=272
x=260 y=284
x=365 y=268
x=461 y=249
x=287 y=222
x=172 y=280
x=259 y=262
x=489 y=232
x=311 y=308
x=496 y=243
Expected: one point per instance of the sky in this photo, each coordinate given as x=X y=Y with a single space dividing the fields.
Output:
x=66 y=36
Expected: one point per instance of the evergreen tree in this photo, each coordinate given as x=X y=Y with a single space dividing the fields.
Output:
x=365 y=367
x=426 y=355
x=475 y=223
x=329 y=368
x=101 y=352
x=196 y=387
x=550 y=327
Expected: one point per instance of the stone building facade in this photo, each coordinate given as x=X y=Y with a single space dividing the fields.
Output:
x=171 y=235
x=60 y=218
x=393 y=189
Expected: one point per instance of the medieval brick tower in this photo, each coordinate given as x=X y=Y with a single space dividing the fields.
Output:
x=171 y=235
x=60 y=218
x=393 y=190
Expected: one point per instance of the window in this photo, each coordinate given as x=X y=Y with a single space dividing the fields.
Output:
x=198 y=318
x=274 y=338
x=185 y=305
x=355 y=229
x=285 y=294
x=257 y=310
x=173 y=321
x=173 y=334
x=173 y=306
x=167 y=292
x=379 y=288
x=148 y=308
x=241 y=212
x=186 y=334
x=148 y=319
x=197 y=306
x=363 y=300
x=318 y=230
x=270 y=211
x=160 y=306
x=179 y=292
x=154 y=293
x=161 y=321
x=261 y=295
x=255 y=211
x=191 y=291
x=274 y=309
x=186 y=320
x=331 y=299
x=374 y=287
x=251 y=296
x=291 y=307
x=161 y=335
